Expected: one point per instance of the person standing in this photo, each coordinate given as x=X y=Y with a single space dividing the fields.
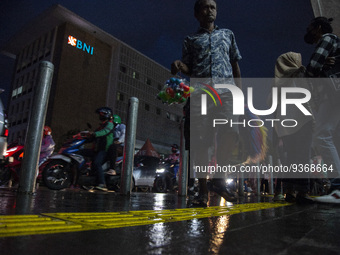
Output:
x=327 y=117
x=211 y=53
x=103 y=140
x=296 y=141
x=47 y=145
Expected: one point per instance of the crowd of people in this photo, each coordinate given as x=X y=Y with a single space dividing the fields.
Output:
x=212 y=52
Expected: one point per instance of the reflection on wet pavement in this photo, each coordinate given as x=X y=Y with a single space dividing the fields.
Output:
x=78 y=222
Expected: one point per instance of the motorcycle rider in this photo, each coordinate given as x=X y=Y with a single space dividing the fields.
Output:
x=118 y=143
x=174 y=156
x=47 y=145
x=103 y=140
x=173 y=159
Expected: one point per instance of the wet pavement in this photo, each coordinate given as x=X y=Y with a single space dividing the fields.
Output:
x=82 y=222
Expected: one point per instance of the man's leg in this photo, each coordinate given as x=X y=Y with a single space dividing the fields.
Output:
x=112 y=156
x=97 y=164
x=327 y=119
x=226 y=142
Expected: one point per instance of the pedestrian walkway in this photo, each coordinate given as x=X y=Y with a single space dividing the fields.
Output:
x=51 y=223
x=81 y=222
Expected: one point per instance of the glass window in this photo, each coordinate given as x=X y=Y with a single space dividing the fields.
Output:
x=122 y=69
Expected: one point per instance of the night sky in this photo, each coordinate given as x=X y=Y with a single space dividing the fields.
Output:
x=263 y=29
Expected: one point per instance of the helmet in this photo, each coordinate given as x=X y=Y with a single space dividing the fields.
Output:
x=116 y=119
x=105 y=113
x=174 y=148
x=47 y=130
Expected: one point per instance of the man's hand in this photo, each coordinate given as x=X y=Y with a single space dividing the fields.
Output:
x=330 y=61
x=90 y=134
x=179 y=66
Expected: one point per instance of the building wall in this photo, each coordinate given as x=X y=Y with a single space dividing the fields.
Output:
x=329 y=9
x=80 y=81
x=143 y=78
x=24 y=82
x=102 y=74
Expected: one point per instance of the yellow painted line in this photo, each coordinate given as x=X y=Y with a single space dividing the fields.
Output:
x=49 y=223
x=16 y=225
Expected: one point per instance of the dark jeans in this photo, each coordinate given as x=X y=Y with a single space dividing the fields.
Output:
x=97 y=163
x=264 y=186
x=113 y=152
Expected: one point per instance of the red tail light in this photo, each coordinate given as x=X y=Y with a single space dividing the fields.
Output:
x=6 y=132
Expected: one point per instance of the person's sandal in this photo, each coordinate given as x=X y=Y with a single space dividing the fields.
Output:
x=111 y=172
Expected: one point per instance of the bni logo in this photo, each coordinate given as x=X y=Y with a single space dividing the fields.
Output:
x=79 y=44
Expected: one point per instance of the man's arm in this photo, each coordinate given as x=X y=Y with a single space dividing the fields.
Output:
x=237 y=74
x=318 y=59
x=179 y=65
x=106 y=130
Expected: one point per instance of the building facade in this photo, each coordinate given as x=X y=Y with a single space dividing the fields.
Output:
x=329 y=9
x=91 y=69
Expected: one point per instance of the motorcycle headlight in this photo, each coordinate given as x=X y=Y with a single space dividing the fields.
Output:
x=160 y=170
x=228 y=181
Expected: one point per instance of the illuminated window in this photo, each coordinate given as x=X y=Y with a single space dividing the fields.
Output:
x=120 y=96
x=135 y=75
x=14 y=92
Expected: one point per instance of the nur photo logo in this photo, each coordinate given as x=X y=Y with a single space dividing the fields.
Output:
x=204 y=98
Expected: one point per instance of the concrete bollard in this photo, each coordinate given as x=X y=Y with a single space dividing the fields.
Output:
x=258 y=181
x=183 y=167
x=129 y=148
x=35 y=128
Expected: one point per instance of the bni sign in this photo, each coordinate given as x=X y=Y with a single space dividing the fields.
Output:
x=79 y=44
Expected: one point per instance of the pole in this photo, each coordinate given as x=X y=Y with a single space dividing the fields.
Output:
x=35 y=128
x=258 y=181
x=241 y=184
x=129 y=148
x=183 y=169
x=271 y=179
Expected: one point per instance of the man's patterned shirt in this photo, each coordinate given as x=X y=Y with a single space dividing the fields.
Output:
x=211 y=54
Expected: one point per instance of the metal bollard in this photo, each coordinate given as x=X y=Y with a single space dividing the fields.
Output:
x=240 y=185
x=183 y=169
x=271 y=179
x=35 y=128
x=258 y=178
x=279 y=163
x=129 y=148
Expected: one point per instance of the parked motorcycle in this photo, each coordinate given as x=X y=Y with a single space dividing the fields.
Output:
x=166 y=177
x=144 y=172
x=74 y=159
x=10 y=168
